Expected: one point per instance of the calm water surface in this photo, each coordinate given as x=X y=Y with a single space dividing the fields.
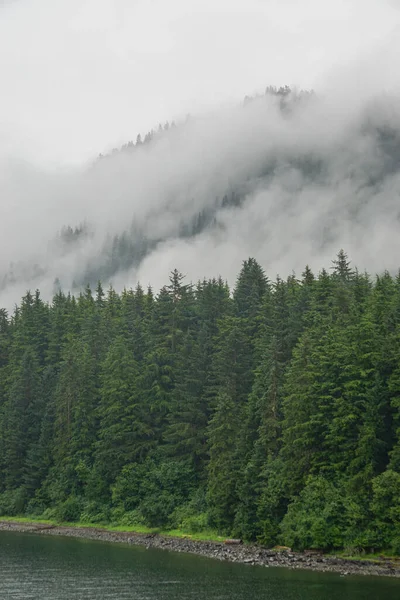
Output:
x=42 y=568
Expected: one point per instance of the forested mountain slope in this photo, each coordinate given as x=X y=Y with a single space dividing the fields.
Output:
x=269 y=413
x=287 y=177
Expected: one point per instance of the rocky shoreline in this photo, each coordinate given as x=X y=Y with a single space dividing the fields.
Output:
x=239 y=553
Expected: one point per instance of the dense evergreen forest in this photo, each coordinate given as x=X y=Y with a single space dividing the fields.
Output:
x=270 y=412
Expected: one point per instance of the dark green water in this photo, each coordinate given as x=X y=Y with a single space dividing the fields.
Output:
x=42 y=568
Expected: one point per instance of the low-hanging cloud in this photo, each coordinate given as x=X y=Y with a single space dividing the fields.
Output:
x=302 y=175
x=311 y=178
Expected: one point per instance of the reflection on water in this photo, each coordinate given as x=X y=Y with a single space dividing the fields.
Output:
x=50 y=568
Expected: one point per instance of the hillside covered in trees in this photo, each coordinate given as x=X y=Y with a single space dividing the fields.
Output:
x=270 y=412
x=285 y=176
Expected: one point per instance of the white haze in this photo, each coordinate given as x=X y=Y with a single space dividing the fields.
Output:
x=287 y=220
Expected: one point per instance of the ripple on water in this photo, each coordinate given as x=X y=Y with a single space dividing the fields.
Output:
x=36 y=567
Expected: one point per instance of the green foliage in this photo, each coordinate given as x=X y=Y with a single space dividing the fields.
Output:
x=192 y=517
x=386 y=509
x=167 y=486
x=316 y=519
x=69 y=510
x=12 y=502
x=223 y=465
x=153 y=490
x=94 y=512
x=192 y=523
x=270 y=414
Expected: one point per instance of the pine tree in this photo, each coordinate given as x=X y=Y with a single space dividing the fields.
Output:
x=21 y=417
x=122 y=428
x=75 y=426
x=185 y=433
x=223 y=434
x=251 y=287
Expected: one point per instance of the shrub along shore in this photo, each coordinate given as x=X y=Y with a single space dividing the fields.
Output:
x=229 y=550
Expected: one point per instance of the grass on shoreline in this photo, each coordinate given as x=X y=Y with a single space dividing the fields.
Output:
x=374 y=558
x=203 y=536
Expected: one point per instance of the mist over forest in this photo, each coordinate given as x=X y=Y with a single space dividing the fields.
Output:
x=199 y=288
x=286 y=176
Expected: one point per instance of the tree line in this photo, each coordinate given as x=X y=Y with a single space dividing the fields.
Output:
x=269 y=412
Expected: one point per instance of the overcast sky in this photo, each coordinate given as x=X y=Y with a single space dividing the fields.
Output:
x=80 y=76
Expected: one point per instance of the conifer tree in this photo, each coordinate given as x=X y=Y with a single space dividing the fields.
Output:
x=223 y=467
x=21 y=417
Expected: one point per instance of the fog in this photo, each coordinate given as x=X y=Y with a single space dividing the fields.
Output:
x=303 y=175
